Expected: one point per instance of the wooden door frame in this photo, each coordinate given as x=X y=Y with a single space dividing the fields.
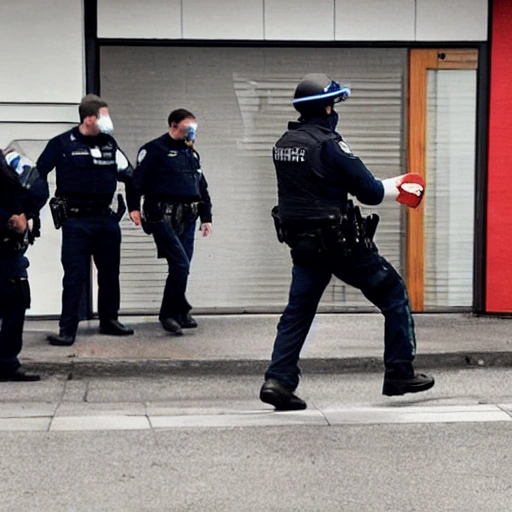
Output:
x=420 y=62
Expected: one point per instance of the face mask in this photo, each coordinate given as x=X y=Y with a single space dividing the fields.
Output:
x=105 y=125
x=190 y=134
x=332 y=119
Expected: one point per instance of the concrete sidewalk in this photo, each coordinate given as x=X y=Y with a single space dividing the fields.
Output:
x=239 y=344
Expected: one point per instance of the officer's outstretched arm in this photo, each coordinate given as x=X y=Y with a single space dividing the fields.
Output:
x=407 y=189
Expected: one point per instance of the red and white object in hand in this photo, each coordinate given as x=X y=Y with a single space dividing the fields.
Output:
x=407 y=189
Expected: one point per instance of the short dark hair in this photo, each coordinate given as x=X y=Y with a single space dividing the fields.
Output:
x=90 y=106
x=176 y=116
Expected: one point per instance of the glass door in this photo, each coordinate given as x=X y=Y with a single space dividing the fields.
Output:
x=442 y=128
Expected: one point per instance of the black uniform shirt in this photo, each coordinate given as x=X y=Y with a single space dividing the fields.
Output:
x=169 y=170
x=83 y=175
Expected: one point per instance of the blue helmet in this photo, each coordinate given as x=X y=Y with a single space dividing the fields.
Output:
x=317 y=90
x=25 y=170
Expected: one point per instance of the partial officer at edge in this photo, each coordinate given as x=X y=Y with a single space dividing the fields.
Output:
x=88 y=165
x=175 y=190
x=22 y=195
x=316 y=170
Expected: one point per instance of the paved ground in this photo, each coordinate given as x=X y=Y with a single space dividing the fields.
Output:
x=189 y=443
x=243 y=343
x=155 y=423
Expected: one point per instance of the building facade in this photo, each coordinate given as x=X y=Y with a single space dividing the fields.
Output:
x=430 y=84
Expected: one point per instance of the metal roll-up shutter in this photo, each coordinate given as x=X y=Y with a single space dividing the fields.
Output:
x=242 y=100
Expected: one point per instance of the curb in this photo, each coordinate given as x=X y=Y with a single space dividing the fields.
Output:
x=237 y=367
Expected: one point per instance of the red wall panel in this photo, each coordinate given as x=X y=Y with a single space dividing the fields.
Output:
x=499 y=205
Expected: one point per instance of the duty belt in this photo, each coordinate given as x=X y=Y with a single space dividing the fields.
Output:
x=350 y=230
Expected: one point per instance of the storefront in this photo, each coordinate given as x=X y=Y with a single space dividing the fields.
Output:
x=422 y=101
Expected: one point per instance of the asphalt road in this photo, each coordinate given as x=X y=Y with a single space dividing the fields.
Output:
x=191 y=443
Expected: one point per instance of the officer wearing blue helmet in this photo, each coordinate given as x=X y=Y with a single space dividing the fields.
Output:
x=316 y=171
x=22 y=195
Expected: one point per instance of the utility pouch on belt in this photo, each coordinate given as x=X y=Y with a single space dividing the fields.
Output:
x=175 y=214
x=277 y=224
x=314 y=233
x=59 y=209
x=356 y=229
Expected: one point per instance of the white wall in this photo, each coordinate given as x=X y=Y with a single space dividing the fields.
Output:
x=41 y=83
x=43 y=43
x=299 y=20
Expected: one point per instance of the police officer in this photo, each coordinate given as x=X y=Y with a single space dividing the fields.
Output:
x=22 y=195
x=316 y=170
x=175 y=191
x=88 y=164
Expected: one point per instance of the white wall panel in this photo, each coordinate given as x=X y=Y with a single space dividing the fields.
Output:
x=223 y=19
x=456 y=20
x=304 y=20
x=47 y=113
x=42 y=51
x=374 y=20
x=300 y=20
x=154 y=19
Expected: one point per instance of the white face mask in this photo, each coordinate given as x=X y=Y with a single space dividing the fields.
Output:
x=105 y=124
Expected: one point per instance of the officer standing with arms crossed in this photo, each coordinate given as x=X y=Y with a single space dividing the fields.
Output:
x=88 y=164
x=316 y=171
x=22 y=195
x=175 y=191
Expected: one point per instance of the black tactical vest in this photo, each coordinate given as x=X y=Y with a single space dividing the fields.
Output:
x=85 y=169
x=304 y=193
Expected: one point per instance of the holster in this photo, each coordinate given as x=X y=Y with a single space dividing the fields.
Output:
x=59 y=210
x=356 y=229
x=121 y=207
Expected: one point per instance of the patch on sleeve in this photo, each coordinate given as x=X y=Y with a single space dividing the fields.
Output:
x=345 y=148
x=142 y=154
x=121 y=161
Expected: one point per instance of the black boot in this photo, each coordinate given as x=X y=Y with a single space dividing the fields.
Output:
x=114 y=328
x=187 y=321
x=171 y=325
x=19 y=376
x=60 y=340
x=276 y=394
x=395 y=385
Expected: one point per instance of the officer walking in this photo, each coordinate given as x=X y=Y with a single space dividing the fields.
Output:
x=175 y=191
x=88 y=164
x=316 y=171
x=22 y=195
